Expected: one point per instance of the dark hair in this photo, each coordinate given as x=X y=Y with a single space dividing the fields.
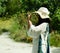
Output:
x=40 y=20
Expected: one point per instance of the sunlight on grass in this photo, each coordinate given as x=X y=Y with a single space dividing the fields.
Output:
x=6 y=24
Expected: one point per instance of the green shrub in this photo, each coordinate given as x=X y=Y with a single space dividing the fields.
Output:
x=55 y=39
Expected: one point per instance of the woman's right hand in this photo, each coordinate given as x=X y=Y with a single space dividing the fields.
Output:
x=29 y=22
x=29 y=17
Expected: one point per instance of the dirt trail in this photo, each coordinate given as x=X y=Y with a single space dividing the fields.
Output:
x=8 y=45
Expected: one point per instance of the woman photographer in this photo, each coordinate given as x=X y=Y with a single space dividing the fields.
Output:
x=40 y=32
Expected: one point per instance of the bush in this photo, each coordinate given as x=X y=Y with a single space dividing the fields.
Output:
x=55 y=39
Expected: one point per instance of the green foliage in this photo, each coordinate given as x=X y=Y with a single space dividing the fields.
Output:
x=18 y=27
x=55 y=39
x=56 y=20
x=15 y=19
x=34 y=18
x=13 y=6
x=2 y=6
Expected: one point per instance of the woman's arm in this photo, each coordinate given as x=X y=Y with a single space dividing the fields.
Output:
x=33 y=30
x=39 y=28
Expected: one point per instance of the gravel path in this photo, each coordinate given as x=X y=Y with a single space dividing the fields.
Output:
x=8 y=45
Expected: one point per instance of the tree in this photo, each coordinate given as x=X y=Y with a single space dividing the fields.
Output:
x=13 y=6
x=2 y=7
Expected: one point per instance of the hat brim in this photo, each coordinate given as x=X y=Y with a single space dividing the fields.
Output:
x=42 y=16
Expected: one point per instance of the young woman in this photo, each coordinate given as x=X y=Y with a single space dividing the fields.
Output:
x=40 y=32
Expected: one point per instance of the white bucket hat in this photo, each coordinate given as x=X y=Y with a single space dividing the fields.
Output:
x=43 y=12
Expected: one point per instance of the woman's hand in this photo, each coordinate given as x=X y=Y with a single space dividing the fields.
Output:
x=29 y=17
x=29 y=22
